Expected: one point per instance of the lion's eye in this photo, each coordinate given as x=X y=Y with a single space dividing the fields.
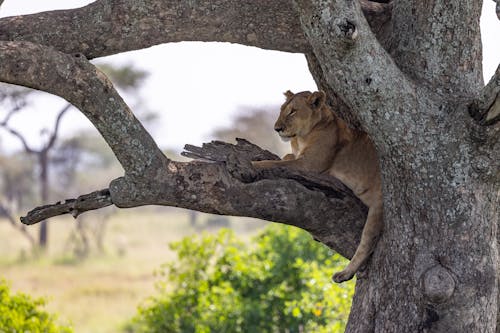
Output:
x=292 y=112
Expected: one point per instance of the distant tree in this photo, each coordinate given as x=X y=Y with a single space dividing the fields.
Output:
x=42 y=156
x=16 y=182
x=22 y=313
x=256 y=125
x=56 y=156
x=277 y=283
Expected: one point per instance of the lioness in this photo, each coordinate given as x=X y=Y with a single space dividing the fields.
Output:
x=322 y=142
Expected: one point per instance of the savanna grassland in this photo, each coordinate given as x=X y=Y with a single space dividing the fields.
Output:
x=98 y=293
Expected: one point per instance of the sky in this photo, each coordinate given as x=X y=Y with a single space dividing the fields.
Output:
x=198 y=87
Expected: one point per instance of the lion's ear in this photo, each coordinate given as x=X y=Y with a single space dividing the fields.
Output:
x=288 y=94
x=317 y=99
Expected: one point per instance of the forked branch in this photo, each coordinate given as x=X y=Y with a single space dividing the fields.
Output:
x=486 y=108
x=357 y=67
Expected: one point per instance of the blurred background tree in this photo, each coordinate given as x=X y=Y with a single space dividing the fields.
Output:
x=278 y=282
x=41 y=174
x=256 y=125
x=22 y=313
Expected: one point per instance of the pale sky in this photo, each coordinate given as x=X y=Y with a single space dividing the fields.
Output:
x=196 y=87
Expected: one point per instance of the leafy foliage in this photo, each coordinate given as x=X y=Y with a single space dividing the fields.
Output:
x=280 y=281
x=21 y=313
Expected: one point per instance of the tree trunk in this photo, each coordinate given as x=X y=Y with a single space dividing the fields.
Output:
x=437 y=262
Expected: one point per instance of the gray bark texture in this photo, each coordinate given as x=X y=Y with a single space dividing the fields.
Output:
x=407 y=72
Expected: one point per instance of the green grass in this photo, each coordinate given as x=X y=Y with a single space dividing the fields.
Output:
x=99 y=294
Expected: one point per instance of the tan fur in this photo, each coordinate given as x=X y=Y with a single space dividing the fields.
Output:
x=322 y=142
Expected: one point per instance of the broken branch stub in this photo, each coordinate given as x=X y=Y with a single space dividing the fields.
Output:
x=86 y=202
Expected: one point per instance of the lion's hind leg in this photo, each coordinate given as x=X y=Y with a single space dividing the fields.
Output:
x=369 y=237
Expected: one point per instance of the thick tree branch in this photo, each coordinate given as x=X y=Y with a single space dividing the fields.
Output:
x=108 y=27
x=486 y=108
x=87 y=88
x=233 y=187
x=358 y=68
x=441 y=44
x=229 y=185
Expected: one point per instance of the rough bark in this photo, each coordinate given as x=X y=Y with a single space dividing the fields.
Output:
x=436 y=255
x=108 y=27
x=440 y=44
x=225 y=183
x=408 y=78
x=91 y=201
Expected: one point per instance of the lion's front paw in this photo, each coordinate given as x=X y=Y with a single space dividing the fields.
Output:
x=342 y=276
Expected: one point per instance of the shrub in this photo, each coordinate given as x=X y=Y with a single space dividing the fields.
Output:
x=21 y=313
x=280 y=281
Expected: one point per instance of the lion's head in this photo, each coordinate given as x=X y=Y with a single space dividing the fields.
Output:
x=299 y=114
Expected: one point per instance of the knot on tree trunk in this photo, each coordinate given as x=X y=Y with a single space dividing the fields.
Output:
x=347 y=29
x=438 y=284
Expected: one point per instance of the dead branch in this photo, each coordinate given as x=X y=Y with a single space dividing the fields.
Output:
x=485 y=109
x=86 y=202
x=237 y=159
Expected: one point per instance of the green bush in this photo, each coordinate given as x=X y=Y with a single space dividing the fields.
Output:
x=21 y=313
x=277 y=282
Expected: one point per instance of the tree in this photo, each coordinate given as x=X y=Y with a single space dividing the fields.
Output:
x=407 y=72
x=256 y=125
x=21 y=313
x=42 y=156
x=52 y=155
x=220 y=284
